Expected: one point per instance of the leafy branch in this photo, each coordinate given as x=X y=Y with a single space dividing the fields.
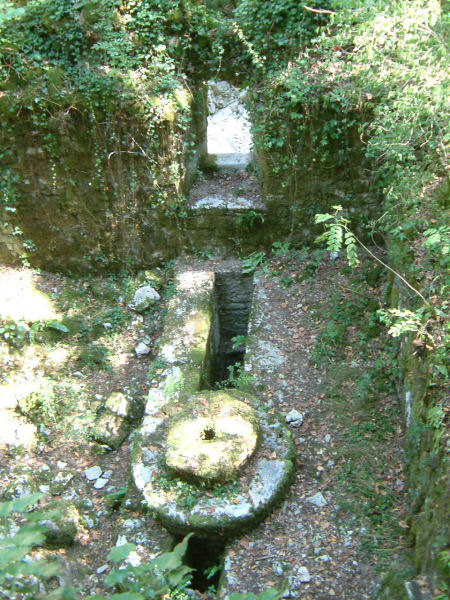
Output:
x=337 y=235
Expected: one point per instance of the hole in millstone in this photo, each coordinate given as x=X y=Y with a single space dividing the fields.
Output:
x=205 y=557
x=208 y=434
x=226 y=351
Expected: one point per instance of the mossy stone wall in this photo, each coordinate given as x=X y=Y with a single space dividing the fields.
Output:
x=303 y=179
x=426 y=450
x=94 y=198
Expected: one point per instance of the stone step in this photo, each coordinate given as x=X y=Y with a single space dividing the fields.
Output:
x=232 y=163
x=227 y=203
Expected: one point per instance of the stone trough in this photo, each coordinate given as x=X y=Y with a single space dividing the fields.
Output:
x=208 y=461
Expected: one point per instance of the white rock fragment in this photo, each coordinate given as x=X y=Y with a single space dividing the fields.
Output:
x=143 y=298
x=318 y=500
x=303 y=575
x=102 y=569
x=324 y=558
x=134 y=559
x=107 y=474
x=100 y=483
x=44 y=489
x=141 y=350
x=294 y=418
x=121 y=540
x=93 y=473
x=277 y=569
x=63 y=477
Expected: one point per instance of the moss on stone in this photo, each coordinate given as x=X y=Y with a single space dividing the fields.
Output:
x=211 y=438
x=62 y=527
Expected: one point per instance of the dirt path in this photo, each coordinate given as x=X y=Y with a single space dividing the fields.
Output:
x=324 y=541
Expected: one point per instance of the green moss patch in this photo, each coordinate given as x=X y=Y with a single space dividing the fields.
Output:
x=212 y=438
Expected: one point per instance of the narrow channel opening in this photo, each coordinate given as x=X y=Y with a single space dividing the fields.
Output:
x=205 y=556
x=227 y=340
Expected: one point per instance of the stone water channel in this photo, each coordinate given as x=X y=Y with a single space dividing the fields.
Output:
x=208 y=459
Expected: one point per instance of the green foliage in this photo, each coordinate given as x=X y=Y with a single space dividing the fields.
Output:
x=14 y=334
x=273 y=30
x=237 y=341
x=20 y=574
x=25 y=577
x=254 y=260
x=114 y=499
x=174 y=385
x=92 y=355
x=444 y=564
x=238 y=378
x=271 y=594
x=18 y=334
x=249 y=218
x=156 y=368
x=337 y=234
x=280 y=248
x=154 y=580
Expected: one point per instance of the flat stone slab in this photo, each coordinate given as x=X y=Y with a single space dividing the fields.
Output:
x=225 y=203
x=229 y=163
x=227 y=508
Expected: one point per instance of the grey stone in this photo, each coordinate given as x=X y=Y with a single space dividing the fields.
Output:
x=294 y=418
x=93 y=473
x=100 y=483
x=16 y=431
x=142 y=350
x=324 y=558
x=303 y=575
x=277 y=569
x=102 y=569
x=143 y=298
x=318 y=500
x=64 y=478
x=119 y=404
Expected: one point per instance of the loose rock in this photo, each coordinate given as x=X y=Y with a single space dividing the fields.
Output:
x=142 y=350
x=318 y=500
x=93 y=473
x=294 y=418
x=143 y=298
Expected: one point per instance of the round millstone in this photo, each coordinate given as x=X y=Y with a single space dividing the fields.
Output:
x=228 y=508
x=212 y=438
